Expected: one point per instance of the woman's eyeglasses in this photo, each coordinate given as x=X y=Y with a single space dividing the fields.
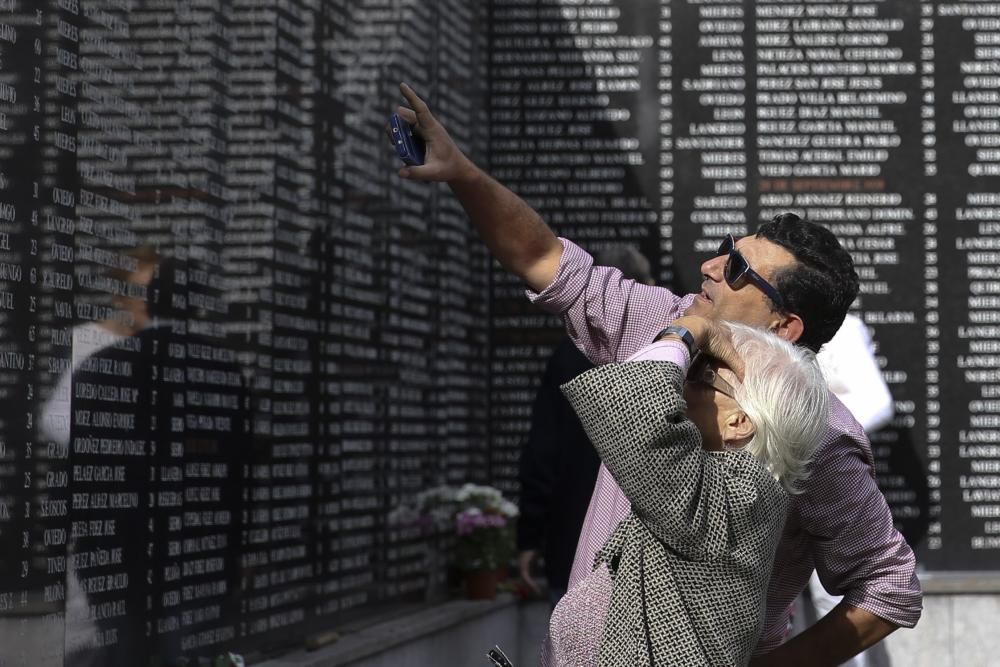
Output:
x=737 y=269
x=703 y=370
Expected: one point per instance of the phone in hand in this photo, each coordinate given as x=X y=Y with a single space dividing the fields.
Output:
x=498 y=657
x=409 y=146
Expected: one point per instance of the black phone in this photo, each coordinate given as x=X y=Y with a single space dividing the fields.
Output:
x=409 y=146
x=498 y=657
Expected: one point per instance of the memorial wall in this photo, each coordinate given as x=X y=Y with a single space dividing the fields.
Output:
x=232 y=340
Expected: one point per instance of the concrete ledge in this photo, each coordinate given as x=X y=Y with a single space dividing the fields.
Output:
x=365 y=642
x=959 y=582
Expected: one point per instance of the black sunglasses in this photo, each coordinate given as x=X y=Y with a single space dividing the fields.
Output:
x=738 y=269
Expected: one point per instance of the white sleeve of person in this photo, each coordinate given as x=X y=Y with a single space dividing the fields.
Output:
x=852 y=373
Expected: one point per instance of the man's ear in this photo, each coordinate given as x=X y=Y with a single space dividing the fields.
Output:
x=739 y=429
x=789 y=327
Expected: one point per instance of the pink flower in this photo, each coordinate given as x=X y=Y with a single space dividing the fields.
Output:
x=472 y=520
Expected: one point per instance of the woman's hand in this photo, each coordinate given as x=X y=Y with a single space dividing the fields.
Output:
x=443 y=160
x=712 y=338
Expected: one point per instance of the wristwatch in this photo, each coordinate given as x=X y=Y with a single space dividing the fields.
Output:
x=681 y=333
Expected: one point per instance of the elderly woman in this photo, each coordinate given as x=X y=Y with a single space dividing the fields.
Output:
x=707 y=455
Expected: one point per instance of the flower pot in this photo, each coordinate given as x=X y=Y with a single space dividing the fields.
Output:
x=481 y=584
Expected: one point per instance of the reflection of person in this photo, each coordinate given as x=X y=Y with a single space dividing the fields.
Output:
x=558 y=464
x=90 y=338
x=110 y=430
x=708 y=465
x=792 y=278
x=179 y=423
x=851 y=372
x=93 y=340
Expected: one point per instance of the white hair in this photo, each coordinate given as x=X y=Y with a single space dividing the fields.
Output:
x=786 y=398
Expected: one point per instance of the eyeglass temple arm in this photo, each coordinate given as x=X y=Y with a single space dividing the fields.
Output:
x=766 y=288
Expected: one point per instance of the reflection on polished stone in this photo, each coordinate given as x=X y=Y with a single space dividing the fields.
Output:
x=211 y=400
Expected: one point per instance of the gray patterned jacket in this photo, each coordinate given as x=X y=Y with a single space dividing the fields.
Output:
x=691 y=564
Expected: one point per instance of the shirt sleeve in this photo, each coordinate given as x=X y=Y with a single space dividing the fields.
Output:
x=673 y=351
x=609 y=317
x=858 y=552
x=634 y=415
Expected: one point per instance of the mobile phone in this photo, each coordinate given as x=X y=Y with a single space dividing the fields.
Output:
x=498 y=657
x=409 y=146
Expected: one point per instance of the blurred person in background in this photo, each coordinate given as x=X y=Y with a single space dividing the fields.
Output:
x=853 y=375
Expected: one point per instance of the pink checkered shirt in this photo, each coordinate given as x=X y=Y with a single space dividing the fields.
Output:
x=840 y=525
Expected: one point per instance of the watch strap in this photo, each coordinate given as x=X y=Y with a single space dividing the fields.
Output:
x=680 y=332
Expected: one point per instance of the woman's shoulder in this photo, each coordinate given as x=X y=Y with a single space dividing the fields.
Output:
x=749 y=480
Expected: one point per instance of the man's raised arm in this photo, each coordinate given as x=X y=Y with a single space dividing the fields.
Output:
x=514 y=233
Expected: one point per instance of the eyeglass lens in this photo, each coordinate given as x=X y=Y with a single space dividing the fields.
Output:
x=736 y=265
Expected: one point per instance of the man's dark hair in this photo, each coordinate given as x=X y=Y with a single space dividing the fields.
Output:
x=822 y=285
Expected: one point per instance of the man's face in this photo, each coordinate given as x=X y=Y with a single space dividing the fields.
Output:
x=746 y=304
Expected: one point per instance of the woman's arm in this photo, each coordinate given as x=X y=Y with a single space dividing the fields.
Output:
x=634 y=414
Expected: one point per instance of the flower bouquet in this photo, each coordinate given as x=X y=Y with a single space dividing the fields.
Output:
x=481 y=521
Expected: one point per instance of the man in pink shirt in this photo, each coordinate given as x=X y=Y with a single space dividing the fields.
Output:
x=792 y=278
